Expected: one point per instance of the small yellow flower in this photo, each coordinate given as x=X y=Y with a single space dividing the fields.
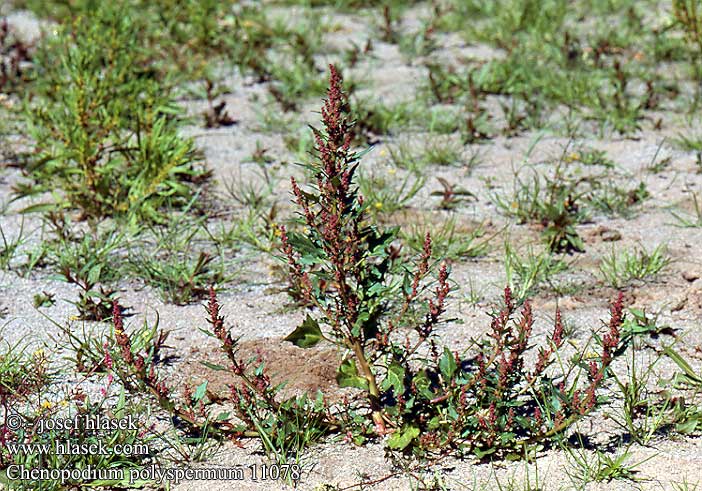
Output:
x=73 y=318
x=64 y=403
x=392 y=171
x=573 y=157
x=47 y=404
x=38 y=353
x=591 y=355
x=378 y=205
x=383 y=152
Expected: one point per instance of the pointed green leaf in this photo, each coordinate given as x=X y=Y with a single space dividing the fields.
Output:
x=687 y=427
x=683 y=364
x=402 y=438
x=214 y=366
x=423 y=385
x=39 y=208
x=307 y=334
x=200 y=391
x=347 y=376
x=447 y=364
x=395 y=378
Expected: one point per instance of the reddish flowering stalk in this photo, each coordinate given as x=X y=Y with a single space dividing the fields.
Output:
x=136 y=363
x=557 y=336
x=421 y=271
x=610 y=343
x=544 y=358
x=254 y=392
x=349 y=277
x=123 y=341
x=436 y=306
x=516 y=400
x=260 y=384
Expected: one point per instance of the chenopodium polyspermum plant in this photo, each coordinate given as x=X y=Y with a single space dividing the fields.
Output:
x=383 y=315
x=494 y=402
x=132 y=357
x=346 y=267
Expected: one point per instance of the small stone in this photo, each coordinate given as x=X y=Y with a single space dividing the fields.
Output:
x=679 y=304
x=691 y=275
x=609 y=235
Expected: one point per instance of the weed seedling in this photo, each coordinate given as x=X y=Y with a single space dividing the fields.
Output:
x=618 y=270
x=525 y=274
x=451 y=195
x=216 y=114
x=690 y=220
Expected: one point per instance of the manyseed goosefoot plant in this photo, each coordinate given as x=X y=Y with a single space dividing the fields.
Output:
x=382 y=316
x=376 y=311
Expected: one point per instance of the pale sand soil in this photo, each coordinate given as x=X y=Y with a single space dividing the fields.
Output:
x=255 y=304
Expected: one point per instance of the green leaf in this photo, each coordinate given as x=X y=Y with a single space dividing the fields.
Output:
x=482 y=453
x=39 y=208
x=680 y=361
x=214 y=366
x=423 y=385
x=94 y=274
x=121 y=403
x=402 y=438
x=359 y=440
x=687 y=427
x=200 y=391
x=347 y=376
x=395 y=379
x=447 y=364
x=307 y=334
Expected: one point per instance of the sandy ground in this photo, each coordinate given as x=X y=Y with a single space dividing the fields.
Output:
x=255 y=305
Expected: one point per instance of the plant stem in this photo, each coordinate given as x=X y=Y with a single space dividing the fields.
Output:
x=373 y=392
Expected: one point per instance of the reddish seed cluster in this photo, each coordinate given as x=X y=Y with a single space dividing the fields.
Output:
x=338 y=136
x=537 y=421
x=610 y=341
x=136 y=363
x=421 y=269
x=431 y=439
x=334 y=215
x=544 y=358
x=123 y=341
x=499 y=325
x=216 y=320
x=107 y=360
x=499 y=376
x=436 y=305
